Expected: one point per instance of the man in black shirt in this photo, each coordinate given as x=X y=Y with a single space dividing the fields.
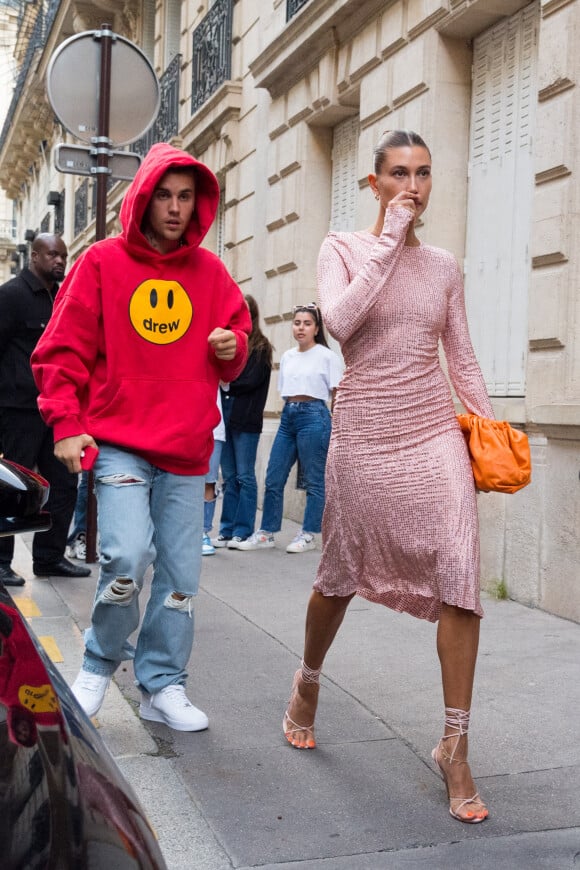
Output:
x=26 y=304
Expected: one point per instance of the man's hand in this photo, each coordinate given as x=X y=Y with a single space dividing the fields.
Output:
x=223 y=342
x=68 y=450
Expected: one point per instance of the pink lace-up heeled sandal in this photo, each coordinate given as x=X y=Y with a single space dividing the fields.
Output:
x=291 y=728
x=476 y=812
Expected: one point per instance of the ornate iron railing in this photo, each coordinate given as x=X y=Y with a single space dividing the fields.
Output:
x=92 y=196
x=294 y=6
x=167 y=122
x=38 y=38
x=81 y=206
x=212 y=53
x=59 y=215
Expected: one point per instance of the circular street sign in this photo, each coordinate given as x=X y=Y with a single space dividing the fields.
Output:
x=73 y=81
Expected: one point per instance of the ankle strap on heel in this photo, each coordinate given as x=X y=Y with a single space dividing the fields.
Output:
x=310 y=675
x=458 y=720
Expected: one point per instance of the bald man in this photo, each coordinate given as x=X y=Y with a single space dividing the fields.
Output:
x=26 y=304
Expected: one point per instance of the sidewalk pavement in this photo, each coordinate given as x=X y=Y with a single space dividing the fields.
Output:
x=368 y=797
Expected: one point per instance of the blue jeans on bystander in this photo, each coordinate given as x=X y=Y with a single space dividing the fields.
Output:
x=79 y=523
x=240 y=486
x=303 y=434
x=212 y=476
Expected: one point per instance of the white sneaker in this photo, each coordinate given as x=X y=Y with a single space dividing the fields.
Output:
x=207 y=548
x=89 y=690
x=172 y=707
x=235 y=542
x=260 y=540
x=302 y=542
x=81 y=547
x=78 y=548
x=220 y=542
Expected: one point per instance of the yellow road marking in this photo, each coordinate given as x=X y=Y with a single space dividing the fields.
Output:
x=50 y=647
x=26 y=606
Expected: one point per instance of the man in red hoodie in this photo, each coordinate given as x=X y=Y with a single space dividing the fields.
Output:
x=146 y=325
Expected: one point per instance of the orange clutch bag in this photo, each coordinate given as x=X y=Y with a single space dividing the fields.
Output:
x=500 y=456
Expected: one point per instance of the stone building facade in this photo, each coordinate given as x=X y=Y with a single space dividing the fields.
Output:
x=284 y=100
x=10 y=257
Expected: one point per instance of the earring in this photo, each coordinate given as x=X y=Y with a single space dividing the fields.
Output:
x=376 y=196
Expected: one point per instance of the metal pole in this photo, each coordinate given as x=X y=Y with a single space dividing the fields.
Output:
x=103 y=141
x=103 y=146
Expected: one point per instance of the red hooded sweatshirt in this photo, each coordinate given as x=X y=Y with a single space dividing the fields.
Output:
x=125 y=356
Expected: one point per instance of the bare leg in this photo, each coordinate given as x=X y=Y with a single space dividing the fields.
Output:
x=457 y=643
x=323 y=619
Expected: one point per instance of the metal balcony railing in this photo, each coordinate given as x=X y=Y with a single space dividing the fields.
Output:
x=294 y=6
x=47 y=12
x=212 y=53
x=167 y=122
x=81 y=207
x=59 y=215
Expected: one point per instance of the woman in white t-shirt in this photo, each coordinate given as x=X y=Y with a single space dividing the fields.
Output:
x=309 y=375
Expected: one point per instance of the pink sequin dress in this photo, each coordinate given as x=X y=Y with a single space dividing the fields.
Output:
x=400 y=524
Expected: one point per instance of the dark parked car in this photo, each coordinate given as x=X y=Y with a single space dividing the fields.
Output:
x=63 y=801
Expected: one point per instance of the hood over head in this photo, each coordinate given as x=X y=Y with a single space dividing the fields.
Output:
x=162 y=158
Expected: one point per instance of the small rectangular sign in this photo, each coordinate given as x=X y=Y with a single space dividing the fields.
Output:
x=82 y=160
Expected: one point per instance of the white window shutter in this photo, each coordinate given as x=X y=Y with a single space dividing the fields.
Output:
x=501 y=186
x=344 y=175
x=172 y=30
x=148 y=29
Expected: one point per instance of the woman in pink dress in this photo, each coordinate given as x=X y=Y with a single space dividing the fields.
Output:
x=400 y=525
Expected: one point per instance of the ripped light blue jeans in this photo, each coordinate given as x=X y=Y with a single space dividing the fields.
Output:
x=146 y=517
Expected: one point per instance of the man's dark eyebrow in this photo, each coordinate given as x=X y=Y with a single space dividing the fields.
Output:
x=166 y=189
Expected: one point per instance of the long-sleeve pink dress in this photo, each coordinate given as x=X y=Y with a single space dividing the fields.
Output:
x=400 y=524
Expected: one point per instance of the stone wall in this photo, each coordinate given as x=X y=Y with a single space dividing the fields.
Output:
x=407 y=63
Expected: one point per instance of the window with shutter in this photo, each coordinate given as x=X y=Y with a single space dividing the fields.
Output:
x=172 y=30
x=148 y=29
x=501 y=183
x=344 y=175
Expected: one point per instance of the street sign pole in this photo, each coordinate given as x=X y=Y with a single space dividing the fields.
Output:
x=103 y=145
x=103 y=142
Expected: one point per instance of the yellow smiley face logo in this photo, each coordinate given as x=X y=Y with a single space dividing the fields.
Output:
x=160 y=311
x=39 y=699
